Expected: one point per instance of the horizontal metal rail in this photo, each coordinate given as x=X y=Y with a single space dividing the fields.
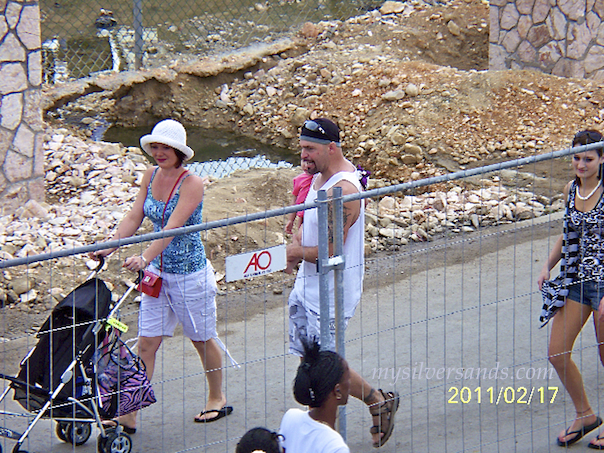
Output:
x=403 y=187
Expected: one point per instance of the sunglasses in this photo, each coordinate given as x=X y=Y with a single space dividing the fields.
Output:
x=586 y=137
x=314 y=126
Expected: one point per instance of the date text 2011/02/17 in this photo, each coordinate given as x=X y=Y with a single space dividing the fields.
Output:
x=506 y=395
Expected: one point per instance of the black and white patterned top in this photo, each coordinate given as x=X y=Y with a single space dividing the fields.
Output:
x=586 y=238
x=582 y=254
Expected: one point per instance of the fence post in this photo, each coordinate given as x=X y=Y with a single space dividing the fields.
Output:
x=338 y=251
x=323 y=256
x=324 y=265
x=137 y=23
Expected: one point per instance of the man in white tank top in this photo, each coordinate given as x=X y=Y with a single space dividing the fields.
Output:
x=320 y=147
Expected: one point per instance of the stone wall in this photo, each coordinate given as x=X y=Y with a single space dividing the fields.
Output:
x=559 y=37
x=21 y=125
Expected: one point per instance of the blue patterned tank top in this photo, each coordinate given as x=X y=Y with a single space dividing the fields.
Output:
x=589 y=227
x=185 y=254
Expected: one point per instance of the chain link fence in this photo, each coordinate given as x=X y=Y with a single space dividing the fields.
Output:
x=81 y=37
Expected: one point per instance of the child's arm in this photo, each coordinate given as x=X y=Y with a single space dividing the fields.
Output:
x=291 y=218
x=289 y=226
x=299 y=220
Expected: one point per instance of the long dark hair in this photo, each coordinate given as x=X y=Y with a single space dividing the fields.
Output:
x=585 y=138
x=317 y=375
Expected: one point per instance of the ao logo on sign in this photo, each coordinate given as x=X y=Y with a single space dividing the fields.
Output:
x=254 y=264
x=259 y=262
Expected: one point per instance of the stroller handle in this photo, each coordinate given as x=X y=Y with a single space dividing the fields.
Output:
x=131 y=288
x=97 y=269
x=101 y=264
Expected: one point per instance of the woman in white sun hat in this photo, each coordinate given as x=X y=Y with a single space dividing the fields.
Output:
x=171 y=197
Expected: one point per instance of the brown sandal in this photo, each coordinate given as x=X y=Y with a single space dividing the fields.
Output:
x=385 y=412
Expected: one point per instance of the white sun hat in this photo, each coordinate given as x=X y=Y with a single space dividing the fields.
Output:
x=168 y=132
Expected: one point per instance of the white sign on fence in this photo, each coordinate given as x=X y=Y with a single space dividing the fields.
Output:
x=253 y=264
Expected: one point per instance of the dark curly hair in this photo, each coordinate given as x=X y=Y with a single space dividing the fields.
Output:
x=259 y=439
x=317 y=375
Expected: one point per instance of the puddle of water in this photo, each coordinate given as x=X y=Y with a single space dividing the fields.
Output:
x=217 y=153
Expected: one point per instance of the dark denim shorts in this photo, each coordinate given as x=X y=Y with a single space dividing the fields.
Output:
x=588 y=293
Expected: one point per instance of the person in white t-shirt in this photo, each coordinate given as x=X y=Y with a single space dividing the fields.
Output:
x=322 y=383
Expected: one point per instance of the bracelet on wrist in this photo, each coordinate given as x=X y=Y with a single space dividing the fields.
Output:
x=144 y=260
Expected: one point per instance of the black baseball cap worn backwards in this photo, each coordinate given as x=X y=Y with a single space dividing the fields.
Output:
x=321 y=131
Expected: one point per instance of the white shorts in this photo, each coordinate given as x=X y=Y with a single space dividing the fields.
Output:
x=306 y=323
x=188 y=299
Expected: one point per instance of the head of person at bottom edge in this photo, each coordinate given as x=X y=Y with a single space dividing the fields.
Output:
x=259 y=440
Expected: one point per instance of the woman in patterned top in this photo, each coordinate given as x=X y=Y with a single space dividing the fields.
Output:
x=171 y=198
x=585 y=256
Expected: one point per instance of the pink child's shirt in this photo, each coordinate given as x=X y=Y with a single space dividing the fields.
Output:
x=302 y=184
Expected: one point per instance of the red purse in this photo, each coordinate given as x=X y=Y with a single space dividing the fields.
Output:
x=150 y=283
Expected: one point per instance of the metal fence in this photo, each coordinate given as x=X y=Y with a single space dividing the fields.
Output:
x=450 y=322
x=81 y=37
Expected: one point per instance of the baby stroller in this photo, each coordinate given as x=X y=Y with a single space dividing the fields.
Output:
x=81 y=372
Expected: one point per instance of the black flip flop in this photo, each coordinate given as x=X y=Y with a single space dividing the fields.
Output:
x=220 y=413
x=594 y=446
x=112 y=424
x=579 y=433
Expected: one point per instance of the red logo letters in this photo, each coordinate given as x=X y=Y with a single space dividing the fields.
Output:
x=259 y=262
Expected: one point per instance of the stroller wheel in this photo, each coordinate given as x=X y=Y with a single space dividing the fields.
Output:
x=77 y=433
x=114 y=443
x=60 y=431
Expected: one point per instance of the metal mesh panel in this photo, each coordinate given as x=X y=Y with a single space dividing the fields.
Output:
x=448 y=318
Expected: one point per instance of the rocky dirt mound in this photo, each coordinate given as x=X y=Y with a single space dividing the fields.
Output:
x=410 y=90
x=412 y=119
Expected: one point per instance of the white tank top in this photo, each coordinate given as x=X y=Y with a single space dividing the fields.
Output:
x=307 y=280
